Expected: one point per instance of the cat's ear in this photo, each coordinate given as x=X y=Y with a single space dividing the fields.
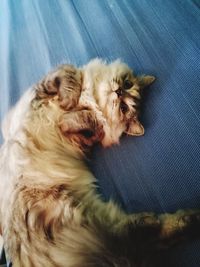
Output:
x=145 y=80
x=135 y=128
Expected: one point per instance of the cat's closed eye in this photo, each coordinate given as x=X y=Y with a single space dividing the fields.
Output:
x=87 y=133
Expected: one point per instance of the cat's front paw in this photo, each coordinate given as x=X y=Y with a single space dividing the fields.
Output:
x=81 y=126
x=66 y=82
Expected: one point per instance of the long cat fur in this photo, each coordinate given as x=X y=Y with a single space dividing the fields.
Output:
x=50 y=213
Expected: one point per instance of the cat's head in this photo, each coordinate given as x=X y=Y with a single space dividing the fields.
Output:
x=118 y=94
x=102 y=101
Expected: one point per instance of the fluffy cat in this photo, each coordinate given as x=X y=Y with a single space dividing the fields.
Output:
x=50 y=213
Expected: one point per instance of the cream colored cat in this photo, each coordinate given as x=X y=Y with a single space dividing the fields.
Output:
x=50 y=213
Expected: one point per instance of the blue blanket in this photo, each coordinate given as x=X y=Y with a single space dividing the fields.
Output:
x=161 y=170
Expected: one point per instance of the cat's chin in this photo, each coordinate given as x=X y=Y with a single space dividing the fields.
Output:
x=112 y=135
x=107 y=142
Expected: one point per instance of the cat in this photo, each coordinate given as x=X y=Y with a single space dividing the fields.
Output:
x=50 y=212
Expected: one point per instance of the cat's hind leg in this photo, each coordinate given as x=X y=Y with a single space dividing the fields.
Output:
x=184 y=225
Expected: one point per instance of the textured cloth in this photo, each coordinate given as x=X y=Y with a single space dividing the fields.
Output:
x=161 y=170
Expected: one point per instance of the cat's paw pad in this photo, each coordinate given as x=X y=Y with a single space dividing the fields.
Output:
x=191 y=218
x=147 y=219
x=190 y=223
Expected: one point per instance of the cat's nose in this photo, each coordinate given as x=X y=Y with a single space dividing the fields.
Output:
x=119 y=91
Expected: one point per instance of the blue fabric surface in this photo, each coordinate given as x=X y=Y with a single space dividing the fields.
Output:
x=161 y=170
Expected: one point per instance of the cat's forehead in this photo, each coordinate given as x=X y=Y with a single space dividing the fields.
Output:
x=120 y=69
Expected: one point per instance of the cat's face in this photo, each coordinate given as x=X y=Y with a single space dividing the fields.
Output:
x=118 y=94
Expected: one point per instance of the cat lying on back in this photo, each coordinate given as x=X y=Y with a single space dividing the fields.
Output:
x=50 y=213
